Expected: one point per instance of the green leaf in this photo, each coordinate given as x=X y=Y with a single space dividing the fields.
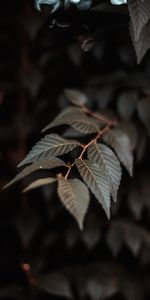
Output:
x=50 y=146
x=130 y=130
x=77 y=119
x=55 y=284
x=107 y=160
x=140 y=14
x=95 y=178
x=120 y=142
x=54 y=162
x=75 y=97
x=38 y=183
x=75 y=196
x=142 y=45
x=144 y=112
x=126 y=104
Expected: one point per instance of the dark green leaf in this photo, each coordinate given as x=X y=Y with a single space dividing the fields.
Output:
x=55 y=284
x=38 y=183
x=75 y=196
x=76 y=119
x=107 y=160
x=50 y=146
x=95 y=178
x=140 y=14
x=144 y=112
x=54 y=162
x=120 y=142
x=76 y=97
x=127 y=104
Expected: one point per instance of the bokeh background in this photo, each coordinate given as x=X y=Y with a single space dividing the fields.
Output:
x=43 y=254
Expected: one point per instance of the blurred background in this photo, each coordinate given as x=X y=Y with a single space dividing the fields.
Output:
x=43 y=254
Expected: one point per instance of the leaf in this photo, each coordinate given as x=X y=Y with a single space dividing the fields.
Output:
x=77 y=119
x=75 y=97
x=54 y=162
x=144 y=112
x=140 y=14
x=75 y=196
x=50 y=146
x=142 y=45
x=55 y=284
x=114 y=240
x=107 y=160
x=72 y=133
x=69 y=111
x=104 y=96
x=38 y=183
x=131 y=131
x=95 y=178
x=120 y=142
x=126 y=104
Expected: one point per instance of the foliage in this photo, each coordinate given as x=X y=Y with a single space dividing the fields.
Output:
x=43 y=253
x=100 y=171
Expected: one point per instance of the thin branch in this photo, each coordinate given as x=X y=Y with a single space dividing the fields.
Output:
x=85 y=147
x=100 y=133
x=98 y=116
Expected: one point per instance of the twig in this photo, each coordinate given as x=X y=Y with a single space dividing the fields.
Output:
x=85 y=147
x=99 y=116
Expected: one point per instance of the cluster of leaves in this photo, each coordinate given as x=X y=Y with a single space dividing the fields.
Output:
x=106 y=259
x=97 y=163
x=139 y=11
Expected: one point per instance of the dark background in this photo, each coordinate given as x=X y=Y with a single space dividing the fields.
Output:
x=43 y=254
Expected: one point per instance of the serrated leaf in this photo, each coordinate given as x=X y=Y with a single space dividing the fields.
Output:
x=76 y=119
x=120 y=142
x=75 y=196
x=54 y=162
x=142 y=45
x=107 y=160
x=140 y=14
x=95 y=178
x=38 y=183
x=69 y=111
x=144 y=112
x=75 y=97
x=50 y=146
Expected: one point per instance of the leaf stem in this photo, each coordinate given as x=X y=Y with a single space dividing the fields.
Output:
x=99 y=134
x=98 y=116
x=69 y=170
